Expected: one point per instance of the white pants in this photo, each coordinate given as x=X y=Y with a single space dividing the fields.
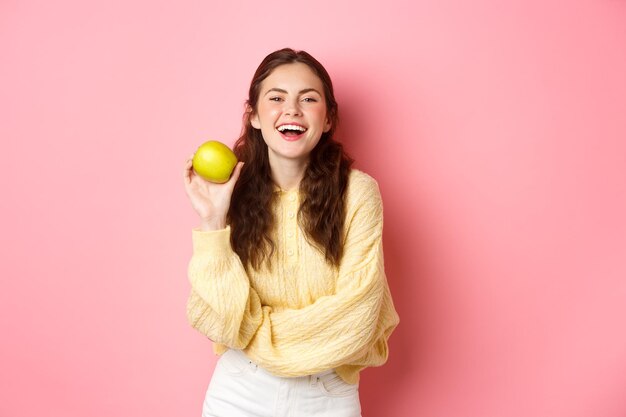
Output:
x=239 y=388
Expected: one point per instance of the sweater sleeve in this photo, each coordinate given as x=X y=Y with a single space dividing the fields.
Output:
x=349 y=327
x=221 y=305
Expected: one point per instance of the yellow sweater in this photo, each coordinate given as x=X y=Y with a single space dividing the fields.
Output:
x=304 y=316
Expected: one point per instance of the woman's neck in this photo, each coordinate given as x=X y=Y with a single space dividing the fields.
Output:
x=288 y=173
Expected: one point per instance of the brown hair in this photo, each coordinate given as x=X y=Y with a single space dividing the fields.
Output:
x=323 y=188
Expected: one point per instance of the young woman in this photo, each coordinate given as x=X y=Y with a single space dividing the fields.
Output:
x=287 y=275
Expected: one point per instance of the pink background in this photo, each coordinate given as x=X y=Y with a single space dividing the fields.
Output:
x=497 y=133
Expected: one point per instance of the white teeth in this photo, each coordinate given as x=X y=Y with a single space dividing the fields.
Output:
x=282 y=128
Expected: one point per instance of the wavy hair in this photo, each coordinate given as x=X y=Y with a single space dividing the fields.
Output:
x=323 y=188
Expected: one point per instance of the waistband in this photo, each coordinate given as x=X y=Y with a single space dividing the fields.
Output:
x=238 y=355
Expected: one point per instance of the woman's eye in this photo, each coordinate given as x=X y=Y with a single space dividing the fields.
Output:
x=309 y=100
x=275 y=99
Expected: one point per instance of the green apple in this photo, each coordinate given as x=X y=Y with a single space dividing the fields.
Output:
x=214 y=161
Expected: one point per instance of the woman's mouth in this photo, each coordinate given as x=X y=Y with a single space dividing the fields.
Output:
x=291 y=132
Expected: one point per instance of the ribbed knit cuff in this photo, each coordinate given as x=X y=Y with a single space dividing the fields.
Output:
x=216 y=242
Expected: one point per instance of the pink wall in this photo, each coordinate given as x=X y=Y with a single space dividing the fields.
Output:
x=496 y=131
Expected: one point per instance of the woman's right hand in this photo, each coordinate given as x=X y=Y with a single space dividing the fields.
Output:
x=210 y=200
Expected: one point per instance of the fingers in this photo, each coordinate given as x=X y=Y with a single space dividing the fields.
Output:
x=188 y=170
x=236 y=172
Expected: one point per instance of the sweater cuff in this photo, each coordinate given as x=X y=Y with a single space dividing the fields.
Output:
x=215 y=241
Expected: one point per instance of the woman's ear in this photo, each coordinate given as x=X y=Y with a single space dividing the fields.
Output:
x=327 y=125
x=253 y=117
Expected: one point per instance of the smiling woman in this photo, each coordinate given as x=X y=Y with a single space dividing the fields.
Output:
x=291 y=115
x=287 y=275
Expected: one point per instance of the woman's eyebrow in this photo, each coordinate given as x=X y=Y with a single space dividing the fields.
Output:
x=308 y=90
x=280 y=90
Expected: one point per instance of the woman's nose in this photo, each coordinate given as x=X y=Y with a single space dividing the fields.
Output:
x=292 y=108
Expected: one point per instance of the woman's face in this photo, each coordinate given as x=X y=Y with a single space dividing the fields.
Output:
x=291 y=112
